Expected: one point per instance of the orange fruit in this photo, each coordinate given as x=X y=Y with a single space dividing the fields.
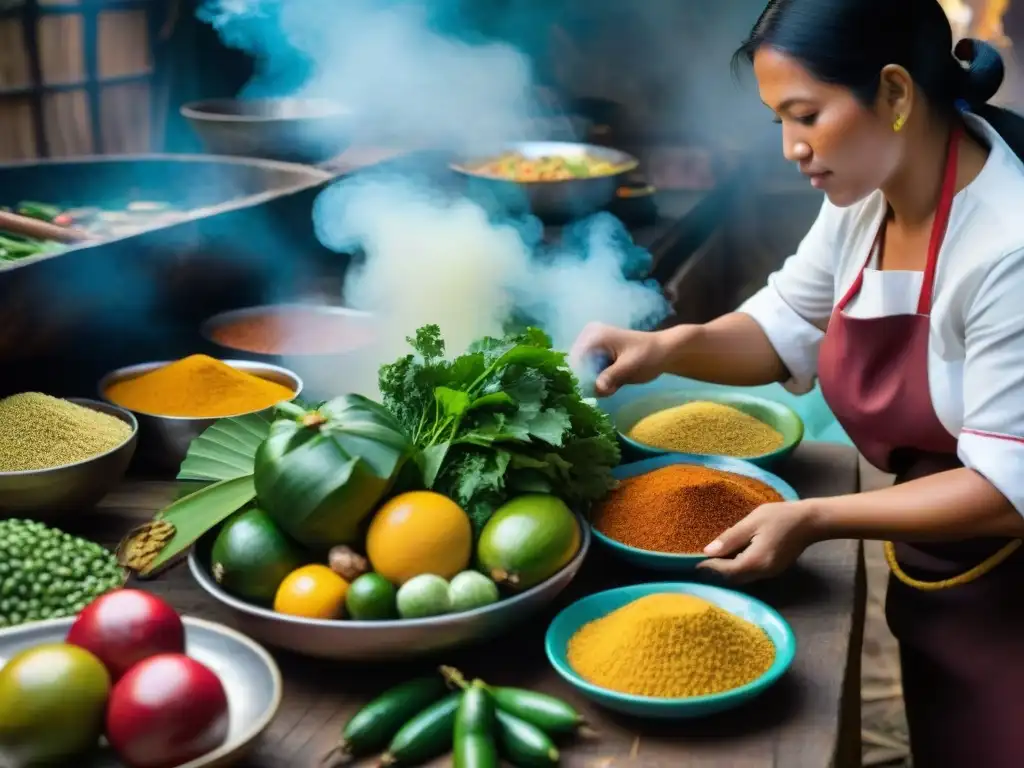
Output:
x=419 y=532
x=313 y=592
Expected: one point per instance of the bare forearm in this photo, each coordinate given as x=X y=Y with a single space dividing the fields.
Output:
x=730 y=350
x=949 y=506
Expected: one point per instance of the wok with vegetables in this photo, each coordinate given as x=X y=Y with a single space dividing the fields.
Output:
x=460 y=488
x=516 y=166
x=103 y=224
x=554 y=180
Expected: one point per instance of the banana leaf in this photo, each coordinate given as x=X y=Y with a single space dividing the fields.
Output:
x=226 y=450
x=320 y=473
x=157 y=545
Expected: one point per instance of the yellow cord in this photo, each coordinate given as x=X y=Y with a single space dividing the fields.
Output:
x=964 y=578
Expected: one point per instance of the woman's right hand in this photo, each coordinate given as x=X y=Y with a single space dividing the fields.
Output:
x=630 y=357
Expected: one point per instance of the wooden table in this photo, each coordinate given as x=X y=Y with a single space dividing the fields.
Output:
x=809 y=720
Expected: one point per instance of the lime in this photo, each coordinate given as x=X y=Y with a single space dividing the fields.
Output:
x=422 y=596
x=252 y=555
x=471 y=589
x=52 y=703
x=371 y=597
x=527 y=541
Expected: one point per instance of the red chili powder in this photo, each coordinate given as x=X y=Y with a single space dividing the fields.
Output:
x=680 y=508
x=295 y=331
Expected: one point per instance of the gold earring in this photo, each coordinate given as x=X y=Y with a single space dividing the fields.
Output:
x=899 y=122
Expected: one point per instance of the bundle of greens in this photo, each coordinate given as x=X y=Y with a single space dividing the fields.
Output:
x=503 y=419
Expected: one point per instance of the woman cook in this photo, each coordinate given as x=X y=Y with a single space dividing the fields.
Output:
x=906 y=299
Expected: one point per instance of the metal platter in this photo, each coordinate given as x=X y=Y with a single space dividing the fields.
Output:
x=249 y=674
x=376 y=641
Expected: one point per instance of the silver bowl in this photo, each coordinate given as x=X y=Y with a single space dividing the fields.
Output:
x=294 y=130
x=572 y=198
x=164 y=440
x=326 y=375
x=383 y=640
x=44 y=494
x=251 y=679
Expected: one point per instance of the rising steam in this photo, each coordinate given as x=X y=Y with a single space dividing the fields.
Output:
x=423 y=257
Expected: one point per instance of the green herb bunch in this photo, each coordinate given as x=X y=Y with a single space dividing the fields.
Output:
x=503 y=419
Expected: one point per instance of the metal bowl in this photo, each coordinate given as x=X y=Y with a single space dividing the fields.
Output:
x=250 y=677
x=383 y=640
x=164 y=440
x=49 y=493
x=325 y=375
x=554 y=200
x=295 y=130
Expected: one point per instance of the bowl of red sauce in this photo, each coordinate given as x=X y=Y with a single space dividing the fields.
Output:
x=328 y=343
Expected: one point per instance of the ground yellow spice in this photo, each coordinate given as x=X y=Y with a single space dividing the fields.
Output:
x=707 y=428
x=198 y=387
x=41 y=432
x=670 y=645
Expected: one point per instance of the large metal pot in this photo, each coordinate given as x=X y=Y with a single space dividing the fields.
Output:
x=296 y=130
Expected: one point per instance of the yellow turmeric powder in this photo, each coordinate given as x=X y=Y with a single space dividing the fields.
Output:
x=670 y=645
x=197 y=387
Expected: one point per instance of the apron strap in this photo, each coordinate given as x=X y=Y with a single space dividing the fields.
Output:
x=939 y=226
x=941 y=222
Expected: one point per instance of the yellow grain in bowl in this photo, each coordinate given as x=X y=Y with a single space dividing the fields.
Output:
x=197 y=387
x=670 y=645
x=707 y=428
x=42 y=432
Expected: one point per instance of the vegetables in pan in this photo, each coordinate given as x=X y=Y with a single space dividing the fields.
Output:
x=514 y=166
x=102 y=223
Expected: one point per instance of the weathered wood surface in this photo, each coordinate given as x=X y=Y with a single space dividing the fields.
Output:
x=810 y=719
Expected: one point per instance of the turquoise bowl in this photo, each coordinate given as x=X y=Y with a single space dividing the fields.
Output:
x=776 y=415
x=598 y=605
x=670 y=563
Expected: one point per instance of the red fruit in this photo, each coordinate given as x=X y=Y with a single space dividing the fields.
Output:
x=123 y=627
x=167 y=710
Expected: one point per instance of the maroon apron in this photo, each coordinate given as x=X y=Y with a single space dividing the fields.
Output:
x=962 y=647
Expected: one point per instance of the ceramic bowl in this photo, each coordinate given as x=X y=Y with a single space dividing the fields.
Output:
x=667 y=562
x=776 y=415
x=598 y=605
x=45 y=494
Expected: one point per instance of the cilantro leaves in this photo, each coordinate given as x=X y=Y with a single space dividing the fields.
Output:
x=504 y=418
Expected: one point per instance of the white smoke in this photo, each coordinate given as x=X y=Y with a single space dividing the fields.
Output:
x=425 y=258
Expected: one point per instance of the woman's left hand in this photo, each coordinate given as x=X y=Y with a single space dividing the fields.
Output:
x=764 y=543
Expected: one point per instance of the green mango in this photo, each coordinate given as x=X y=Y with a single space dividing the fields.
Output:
x=52 y=702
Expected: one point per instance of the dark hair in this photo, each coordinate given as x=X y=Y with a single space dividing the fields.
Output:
x=849 y=42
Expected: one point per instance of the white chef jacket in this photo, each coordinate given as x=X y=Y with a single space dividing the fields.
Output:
x=976 y=346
